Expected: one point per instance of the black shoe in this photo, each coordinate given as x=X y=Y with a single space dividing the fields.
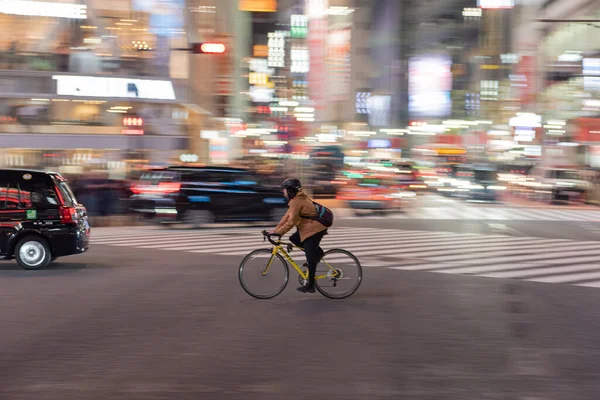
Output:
x=308 y=288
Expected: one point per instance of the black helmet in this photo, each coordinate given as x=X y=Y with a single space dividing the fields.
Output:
x=293 y=186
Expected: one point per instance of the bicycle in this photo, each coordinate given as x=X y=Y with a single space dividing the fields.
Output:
x=347 y=268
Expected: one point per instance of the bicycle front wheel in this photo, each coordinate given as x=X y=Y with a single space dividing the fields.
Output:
x=339 y=274
x=263 y=275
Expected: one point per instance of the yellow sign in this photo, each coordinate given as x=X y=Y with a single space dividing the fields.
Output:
x=451 y=151
x=258 y=5
x=261 y=50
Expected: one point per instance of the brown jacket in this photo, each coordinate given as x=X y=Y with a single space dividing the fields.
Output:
x=300 y=206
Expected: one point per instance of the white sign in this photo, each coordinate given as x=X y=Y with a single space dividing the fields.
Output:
x=591 y=72
x=261 y=95
x=43 y=9
x=316 y=9
x=88 y=86
x=524 y=135
x=300 y=60
x=189 y=158
x=570 y=57
x=277 y=49
x=526 y=120
x=495 y=3
x=533 y=151
x=209 y=134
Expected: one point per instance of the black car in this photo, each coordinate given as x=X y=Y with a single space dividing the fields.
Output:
x=201 y=195
x=40 y=219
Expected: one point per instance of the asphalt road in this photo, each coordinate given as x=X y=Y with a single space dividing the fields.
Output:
x=132 y=323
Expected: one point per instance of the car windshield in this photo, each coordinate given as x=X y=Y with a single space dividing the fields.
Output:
x=485 y=175
x=571 y=175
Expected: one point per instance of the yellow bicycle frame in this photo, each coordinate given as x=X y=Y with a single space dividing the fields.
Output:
x=279 y=249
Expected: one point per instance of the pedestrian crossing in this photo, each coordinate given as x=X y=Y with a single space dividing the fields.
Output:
x=494 y=256
x=489 y=213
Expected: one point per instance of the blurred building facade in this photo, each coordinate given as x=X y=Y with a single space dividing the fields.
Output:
x=108 y=84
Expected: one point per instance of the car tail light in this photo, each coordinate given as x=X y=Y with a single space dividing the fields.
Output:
x=68 y=215
x=169 y=187
x=161 y=188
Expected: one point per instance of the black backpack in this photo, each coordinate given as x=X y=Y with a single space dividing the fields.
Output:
x=324 y=215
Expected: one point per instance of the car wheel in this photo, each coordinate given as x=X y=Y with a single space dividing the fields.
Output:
x=277 y=213
x=198 y=218
x=33 y=253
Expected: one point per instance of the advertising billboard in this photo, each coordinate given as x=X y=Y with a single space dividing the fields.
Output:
x=430 y=83
x=258 y=5
x=166 y=16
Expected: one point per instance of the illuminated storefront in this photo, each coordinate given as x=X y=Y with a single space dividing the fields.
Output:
x=95 y=85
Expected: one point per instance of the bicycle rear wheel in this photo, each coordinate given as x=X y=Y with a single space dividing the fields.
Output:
x=263 y=275
x=339 y=274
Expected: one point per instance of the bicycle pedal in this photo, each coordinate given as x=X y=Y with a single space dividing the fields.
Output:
x=290 y=248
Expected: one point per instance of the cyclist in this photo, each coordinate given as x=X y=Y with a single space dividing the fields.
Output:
x=309 y=232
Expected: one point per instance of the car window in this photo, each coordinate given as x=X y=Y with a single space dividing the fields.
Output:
x=219 y=177
x=38 y=194
x=18 y=193
x=66 y=192
x=245 y=178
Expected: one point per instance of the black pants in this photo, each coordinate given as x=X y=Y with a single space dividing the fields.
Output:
x=313 y=251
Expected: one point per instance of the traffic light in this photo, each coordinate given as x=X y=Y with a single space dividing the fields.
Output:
x=208 y=48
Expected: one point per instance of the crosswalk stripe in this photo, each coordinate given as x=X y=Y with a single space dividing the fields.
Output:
x=594 y=284
x=446 y=253
x=571 y=278
x=583 y=216
x=565 y=257
x=164 y=232
x=517 y=250
x=218 y=245
x=555 y=215
x=462 y=211
x=493 y=256
x=427 y=249
x=358 y=249
x=520 y=215
x=538 y=272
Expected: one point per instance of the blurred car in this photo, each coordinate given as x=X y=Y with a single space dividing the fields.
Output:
x=201 y=195
x=513 y=175
x=369 y=192
x=475 y=182
x=324 y=180
x=557 y=184
x=40 y=219
x=407 y=177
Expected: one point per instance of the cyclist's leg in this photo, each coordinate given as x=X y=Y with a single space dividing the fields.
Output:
x=313 y=254
x=320 y=251
x=295 y=238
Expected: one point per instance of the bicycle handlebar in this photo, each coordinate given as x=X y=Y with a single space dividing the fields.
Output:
x=267 y=236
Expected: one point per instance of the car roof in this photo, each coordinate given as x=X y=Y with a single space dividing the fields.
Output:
x=205 y=168
x=29 y=171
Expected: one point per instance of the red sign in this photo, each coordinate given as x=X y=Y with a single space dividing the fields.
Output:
x=449 y=139
x=526 y=69
x=132 y=131
x=587 y=130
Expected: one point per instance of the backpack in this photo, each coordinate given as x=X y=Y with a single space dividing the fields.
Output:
x=324 y=215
